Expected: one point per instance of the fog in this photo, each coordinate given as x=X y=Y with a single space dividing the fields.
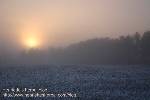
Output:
x=63 y=22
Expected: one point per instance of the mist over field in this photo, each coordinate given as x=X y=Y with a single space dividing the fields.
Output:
x=74 y=49
x=125 y=50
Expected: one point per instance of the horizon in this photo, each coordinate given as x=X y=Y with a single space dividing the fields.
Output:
x=29 y=46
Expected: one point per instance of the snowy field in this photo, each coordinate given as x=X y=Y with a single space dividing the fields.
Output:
x=88 y=82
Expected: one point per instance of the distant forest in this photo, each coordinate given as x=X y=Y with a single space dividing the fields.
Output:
x=131 y=49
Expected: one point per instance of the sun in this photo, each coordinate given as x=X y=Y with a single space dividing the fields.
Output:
x=32 y=42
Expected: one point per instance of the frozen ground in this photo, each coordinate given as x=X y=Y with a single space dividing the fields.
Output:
x=97 y=82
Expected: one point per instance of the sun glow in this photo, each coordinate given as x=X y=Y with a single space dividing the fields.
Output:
x=32 y=42
x=32 y=36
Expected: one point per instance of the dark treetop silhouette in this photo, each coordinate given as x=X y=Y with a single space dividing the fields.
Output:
x=133 y=49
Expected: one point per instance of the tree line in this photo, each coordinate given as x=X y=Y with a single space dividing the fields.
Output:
x=131 y=49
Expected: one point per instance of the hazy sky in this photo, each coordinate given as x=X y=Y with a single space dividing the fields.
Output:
x=59 y=22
